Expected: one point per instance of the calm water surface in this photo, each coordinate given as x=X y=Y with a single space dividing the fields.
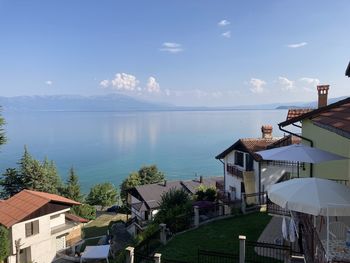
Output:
x=107 y=146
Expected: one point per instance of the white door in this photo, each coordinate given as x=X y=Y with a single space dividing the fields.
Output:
x=60 y=243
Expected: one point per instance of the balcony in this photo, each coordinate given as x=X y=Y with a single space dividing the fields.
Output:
x=62 y=228
x=232 y=169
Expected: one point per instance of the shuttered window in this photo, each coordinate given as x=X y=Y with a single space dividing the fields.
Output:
x=32 y=228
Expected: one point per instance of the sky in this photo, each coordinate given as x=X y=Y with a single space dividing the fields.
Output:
x=189 y=53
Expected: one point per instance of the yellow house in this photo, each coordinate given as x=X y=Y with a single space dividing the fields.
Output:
x=326 y=128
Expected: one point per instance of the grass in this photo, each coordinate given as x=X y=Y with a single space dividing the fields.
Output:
x=218 y=236
x=99 y=226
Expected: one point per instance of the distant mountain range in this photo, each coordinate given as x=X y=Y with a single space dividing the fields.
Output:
x=111 y=102
x=119 y=102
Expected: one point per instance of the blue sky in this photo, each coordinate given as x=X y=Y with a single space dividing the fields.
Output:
x=209 y=53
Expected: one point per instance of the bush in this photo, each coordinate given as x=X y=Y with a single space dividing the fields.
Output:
x=85 y=211
x=102 y=194
x=205 y=193
x=4 y=243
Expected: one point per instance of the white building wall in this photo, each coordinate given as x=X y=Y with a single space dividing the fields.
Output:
x=43 y=244
x=232 y=180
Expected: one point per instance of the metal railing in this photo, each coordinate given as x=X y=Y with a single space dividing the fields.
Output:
x=210 y=256
x=232 y=169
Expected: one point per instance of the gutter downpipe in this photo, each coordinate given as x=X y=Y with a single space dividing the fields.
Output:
x=301 y=137
x=224 y=174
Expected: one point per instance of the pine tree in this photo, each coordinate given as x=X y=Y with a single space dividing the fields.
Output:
x=102 y=194
x=11 y=183
x=4 y=243
x=72 y=188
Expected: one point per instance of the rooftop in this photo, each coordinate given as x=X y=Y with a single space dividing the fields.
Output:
x=292 y=113
x=334 y=117
x=26 y=202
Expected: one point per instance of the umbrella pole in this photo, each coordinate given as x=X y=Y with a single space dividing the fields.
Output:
x=327 y=233
x=298 y=168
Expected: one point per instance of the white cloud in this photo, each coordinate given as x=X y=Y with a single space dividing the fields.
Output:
x=297 y=45
x=49 y=82
x=171 y=47
x=152 y=85
x=224 y=22
x=257 y=85
x=104 y=83
x=286 y=83
x=123 y=81
x=309 y=84
x=226 y=34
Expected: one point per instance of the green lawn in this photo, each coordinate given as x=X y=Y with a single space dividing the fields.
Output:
x=221 y=235
x=99 y=226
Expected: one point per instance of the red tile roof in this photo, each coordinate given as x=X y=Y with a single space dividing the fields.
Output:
x=76 y=218
x=292 y=113
x=21 y=205
x=334 y=117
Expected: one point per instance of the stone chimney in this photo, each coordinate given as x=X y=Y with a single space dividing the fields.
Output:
x=322 y=95
x=266 y=131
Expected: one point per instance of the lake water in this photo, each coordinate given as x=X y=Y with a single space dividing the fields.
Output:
x=107 y=146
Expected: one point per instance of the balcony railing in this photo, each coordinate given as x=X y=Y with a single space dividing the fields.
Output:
x=232 y=169
x=63 y=227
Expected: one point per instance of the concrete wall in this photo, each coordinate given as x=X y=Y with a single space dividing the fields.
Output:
x=43 y=244
x=331 y=142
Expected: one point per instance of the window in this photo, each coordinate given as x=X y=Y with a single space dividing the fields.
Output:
x=239 y=158
x=55 y=216
x=249 y=163
x=32 y=228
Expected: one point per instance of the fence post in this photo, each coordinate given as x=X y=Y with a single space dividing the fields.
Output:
x=129 y=255
x=196 y=216
x=242 y=249
x=221 y=209
x=157 y=257
x=162 y=233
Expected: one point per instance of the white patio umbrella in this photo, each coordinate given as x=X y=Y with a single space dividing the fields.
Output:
x=299 y=153
x=312 y=196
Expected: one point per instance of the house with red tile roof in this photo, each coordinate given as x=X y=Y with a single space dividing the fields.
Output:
x=245 y=171
x=40 y=223
x=327 y=128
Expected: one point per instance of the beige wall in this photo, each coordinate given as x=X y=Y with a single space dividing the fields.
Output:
x=43 y=244
x=328 y=141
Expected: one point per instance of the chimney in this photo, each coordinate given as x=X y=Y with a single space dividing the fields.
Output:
x=322 y=95
x=266 y=131
x=201 y=179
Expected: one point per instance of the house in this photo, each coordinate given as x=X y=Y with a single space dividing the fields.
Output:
x=40 y=223
x=327 y=128
x=245 y=171
x=144 y=200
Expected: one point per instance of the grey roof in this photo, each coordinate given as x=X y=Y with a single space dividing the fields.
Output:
x=151 y=194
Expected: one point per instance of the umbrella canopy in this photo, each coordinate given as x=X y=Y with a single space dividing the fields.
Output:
x=312 y=196
x=299 y=153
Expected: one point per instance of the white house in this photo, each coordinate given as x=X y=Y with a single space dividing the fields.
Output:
x=246 y=172
x=37 y=221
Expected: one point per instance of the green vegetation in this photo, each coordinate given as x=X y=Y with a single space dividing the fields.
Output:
x=146 y=175
x=4 y=243
x=100 y=225
x=220 y=235
x=102 y=194
x=174 y=208
x=31 y=174
x=72 y=188
x=85 y=211
x=206 y=193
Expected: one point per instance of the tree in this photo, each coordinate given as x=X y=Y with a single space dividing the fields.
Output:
x=85 y=211
x=174 y=210
x=72 y=188
x=102 y=194
x=11 y=183
x=145 y=175
x=206 y=193
x=2 y=132
x=4 y=243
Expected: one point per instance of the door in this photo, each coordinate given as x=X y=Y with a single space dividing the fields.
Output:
x=25 y=255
